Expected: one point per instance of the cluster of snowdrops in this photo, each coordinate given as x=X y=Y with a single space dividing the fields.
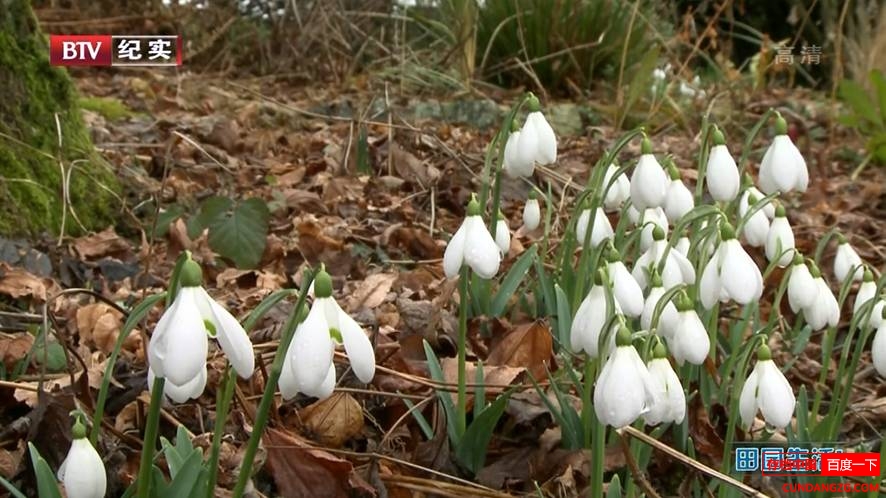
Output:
x=623 y=306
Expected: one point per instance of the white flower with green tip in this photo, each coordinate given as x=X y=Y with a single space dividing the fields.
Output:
x=847 y=261
x=601 y=231
x=619 y=192
x=625 y=389
x=867 y=292
x=783 y=168
x=503 y=235
x=780 y=239
x=679 y=199
x=768 y=391
x=649 y=184
x=802 y=288
x=722 y=178
x=473 y=245
x=531 y=213
x=670 y=399
x=731 y=273
x=667 y=320
x=82 y=472
x=689 y=339
x=625 y=289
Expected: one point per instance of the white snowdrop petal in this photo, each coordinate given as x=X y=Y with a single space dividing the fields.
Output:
x=481 y=252
x=453 y=257
x=775 y=398
x=503 y=236
x=84 y=475
x=649 y=184
x=512 y=164
x=652 y=217
x=671 y=400
x=780 y=242
x=747 y=401
x=181 y=349
x=682 y=246
x=847 y=261
x=802 y=289
x=678 y=201
x=756 y=229
x=878 y=349
x=722 y=175
x=232 y=337
x=527 y=148
x=546 y=152
x=690 y=339
x=360 y=352
x=739 y=274
x=626 y=290
x=620 y=395
x=286 y=383
x=531 y=214
x=667 y=320
x=312 y=351
x=589 y=321
x=683 y=264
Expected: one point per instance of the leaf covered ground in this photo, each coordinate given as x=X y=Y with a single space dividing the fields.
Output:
x=186 y=138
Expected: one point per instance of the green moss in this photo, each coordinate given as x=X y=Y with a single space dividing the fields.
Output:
x=110 y=108
x=30 y=155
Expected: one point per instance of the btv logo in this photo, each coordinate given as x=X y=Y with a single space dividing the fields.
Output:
x=80 y=50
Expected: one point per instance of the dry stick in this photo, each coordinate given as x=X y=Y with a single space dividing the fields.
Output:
x=635 y=469
x=642 y=436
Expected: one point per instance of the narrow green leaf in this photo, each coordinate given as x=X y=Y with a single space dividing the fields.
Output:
x=188 y=480
x=265 y=305
x=436 y=372
x=12 y=489
x=614 y=490
x=420 y=418
x=47 y=486
x=859 y=101
x=564 y=318
x=471 y=450
x=512 y=281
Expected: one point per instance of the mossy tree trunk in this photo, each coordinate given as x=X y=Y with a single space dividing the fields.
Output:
x=51 y=179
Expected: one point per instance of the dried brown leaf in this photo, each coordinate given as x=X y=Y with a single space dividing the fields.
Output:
x=17 y=283
x=529 y=346
x=13 y=348
x=101 y=244
x=334 y=420
x=371 y=292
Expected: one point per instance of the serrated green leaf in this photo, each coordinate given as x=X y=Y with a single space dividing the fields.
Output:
x=166 y=217
x=211 y=210
x=859 y=101
x=471 y=450
x=512 y=281
x=241 y=235
x=47 y=486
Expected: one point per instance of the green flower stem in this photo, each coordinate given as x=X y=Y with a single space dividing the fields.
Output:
x=264 y=408
x=223 y=404
x=147 y=460
x=462 y=400
x=598 y=438
x=827 y=348
x=136 y=316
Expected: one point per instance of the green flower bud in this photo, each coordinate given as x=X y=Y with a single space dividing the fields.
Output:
x=191 y=274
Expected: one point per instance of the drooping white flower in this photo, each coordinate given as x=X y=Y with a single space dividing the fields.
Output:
x=683 y=245
x=652 y=218
x=749 y=193
x=537 y=142
x=802 y=288
x=180 y=394
x=878 y=349
x=756 y=227
x=730 y=274
x=824 y=310
x=783 y=168
x=722 y=176
x=625 y=289
x=670 y=404
x=689 y=339
x=667 y=320
x=83 y=472
x=678 y=200
x=179 y=345
x=847 y=262
x=767 y=390
x=867 y=292
x=503 y=235
x=531 y=213
x=602 y=229
x=619 y=192
x=591 y=317
x=515 y=164
x=625 y=389
x=649 y=184
x=313 y=345
x=677 y=269
x=780 y=239
x=473 y=245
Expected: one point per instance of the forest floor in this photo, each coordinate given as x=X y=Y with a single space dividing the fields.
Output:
x=181 y=139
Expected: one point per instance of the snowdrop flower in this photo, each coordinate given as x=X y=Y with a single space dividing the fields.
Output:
x=670 y=404
x=313 y=345
x=730 y=273
x=878 y=348
x=473 y=245
x=653 y=218
x=847 y=261
x=722 y=173
x=537 y=142
x=625 y=389
x=649 y=185
x=689 y=339
x=824 y=310
x=503 y=234
x=591 y=317
x=83 y=471
x=867 y=291
x=619 y=192
x=179 y=345
x=667 y=320
x=516 y=165
x=678 y=200
x=625 y=289
x=659 y=84
x=602 y=229
x=683 y=245
x=756 y=228
x=180 y=394
x=677 y=269
x=780 y=239
x=531 y=213
x=783 y=168
x=802 y=288
x=767 y=390
x=749 y=193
